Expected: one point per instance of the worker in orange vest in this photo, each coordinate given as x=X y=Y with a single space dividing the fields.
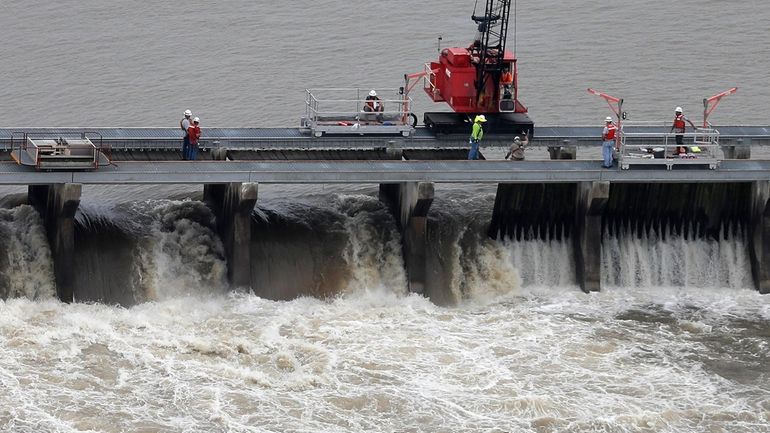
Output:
x=507 y=81
x=194 y=132
x=679 y=127
x=608 y=142
x=373 y=104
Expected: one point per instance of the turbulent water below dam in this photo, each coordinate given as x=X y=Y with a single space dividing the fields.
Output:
x=329 y=339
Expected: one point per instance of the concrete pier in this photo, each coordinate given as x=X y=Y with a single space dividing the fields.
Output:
x=410 y=202
x=592 y=199
x=739 y=148
x=57 y=204
x=759 y=235
x=232 y=204
x=567 y=150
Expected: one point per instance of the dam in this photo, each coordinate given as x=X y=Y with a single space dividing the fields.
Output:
x=560 y=191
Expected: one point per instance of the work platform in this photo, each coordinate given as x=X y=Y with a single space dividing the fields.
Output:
x=287 y=155
x=307 y=172
x=259 y=139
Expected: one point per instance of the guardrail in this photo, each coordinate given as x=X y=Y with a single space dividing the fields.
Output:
x=74 y=150
x=700 y=147
x=344 y=111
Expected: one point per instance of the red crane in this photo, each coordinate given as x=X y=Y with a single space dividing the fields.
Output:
x=479 y=79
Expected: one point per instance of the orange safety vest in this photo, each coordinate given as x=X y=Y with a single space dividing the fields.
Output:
x=679 y=122
x=507 y=78
x=611 y=128
x=373 y=103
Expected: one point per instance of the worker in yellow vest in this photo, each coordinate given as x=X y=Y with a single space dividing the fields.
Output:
x=477 y=133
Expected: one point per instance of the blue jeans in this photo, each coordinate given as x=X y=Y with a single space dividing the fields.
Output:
x=185 y=147
x=192 y=152
x=474 y=152
x=607 y=146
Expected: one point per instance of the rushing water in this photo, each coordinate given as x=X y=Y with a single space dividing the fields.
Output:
x=329 y=340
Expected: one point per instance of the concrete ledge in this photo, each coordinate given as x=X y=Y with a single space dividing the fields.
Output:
x=202 y=172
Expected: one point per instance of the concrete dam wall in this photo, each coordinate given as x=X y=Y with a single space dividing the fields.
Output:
x=595 y=233
x=589 y=213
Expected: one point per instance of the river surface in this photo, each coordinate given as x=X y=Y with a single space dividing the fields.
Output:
x=328 y=339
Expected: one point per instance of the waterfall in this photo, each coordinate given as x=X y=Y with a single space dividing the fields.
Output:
x=26 y=267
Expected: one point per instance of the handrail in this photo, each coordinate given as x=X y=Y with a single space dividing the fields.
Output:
x=318 y=106
x=32 y=147
x=705 y=139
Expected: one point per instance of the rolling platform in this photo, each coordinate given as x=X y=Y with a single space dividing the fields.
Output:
x=57 y=154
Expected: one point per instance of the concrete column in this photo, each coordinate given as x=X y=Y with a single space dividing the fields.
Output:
x=759 y=231
x=740 y=150
x=57 y=205
x=232 y=204
x=592 y=198
x=218 y=153
x=567 y=151
x=410 y=202
x=392 y=152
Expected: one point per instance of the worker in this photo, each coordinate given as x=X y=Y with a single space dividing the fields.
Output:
x=507 y=81
x=185 y=124
x=373 y=104
x=608 y=141
x=477 y=133
x=679 y=127
x=194 y=132
x=517 y=148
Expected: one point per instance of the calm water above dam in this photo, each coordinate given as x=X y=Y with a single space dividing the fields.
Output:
x=678 y=342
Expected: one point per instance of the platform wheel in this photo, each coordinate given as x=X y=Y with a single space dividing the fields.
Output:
x=414 y=119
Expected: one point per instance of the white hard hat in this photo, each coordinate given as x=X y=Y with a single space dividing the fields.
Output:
x=187 y=113
x=678 y=109
x=372 y=93
x=608 y=119
x=196 y=120
x=516 y=139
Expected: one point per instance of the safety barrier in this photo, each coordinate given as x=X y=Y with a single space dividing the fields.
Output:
x=343 y=111
x=62 y=153
x=700 y=147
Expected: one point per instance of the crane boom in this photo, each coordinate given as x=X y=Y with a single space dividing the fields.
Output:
x=489 y=46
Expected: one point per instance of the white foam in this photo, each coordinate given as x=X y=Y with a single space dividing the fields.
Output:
x=179 y=256
x=29 y=268
x=373 y=251
x=675 y=260
x=380 y=361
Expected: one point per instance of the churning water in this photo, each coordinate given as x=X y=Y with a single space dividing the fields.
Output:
x=329 y=340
